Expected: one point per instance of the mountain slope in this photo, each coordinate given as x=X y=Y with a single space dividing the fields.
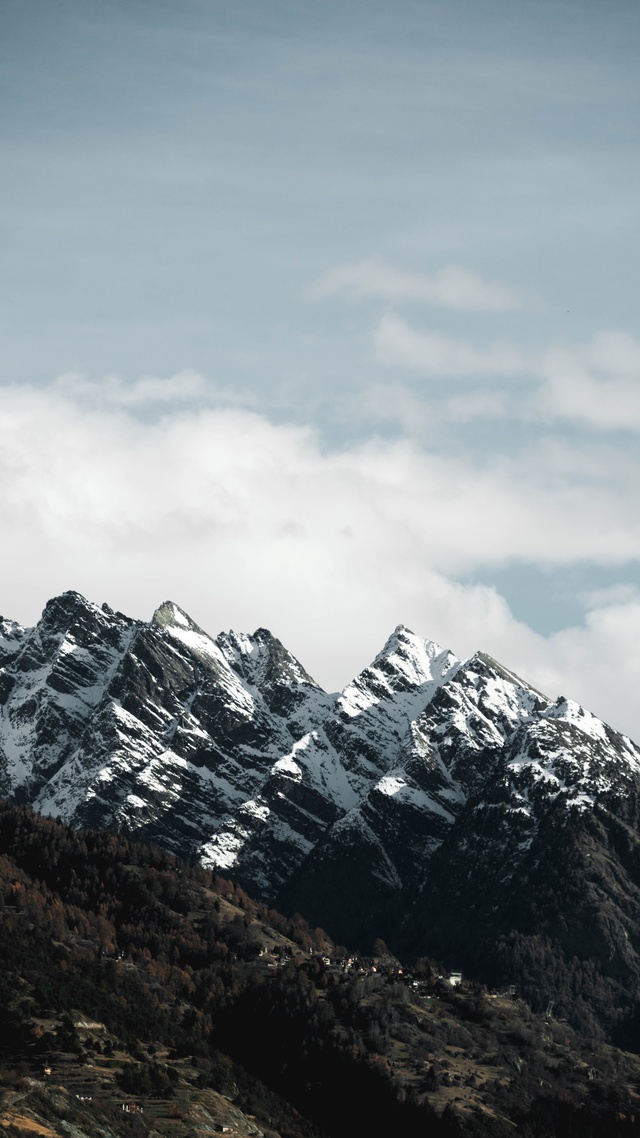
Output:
x=446 y=804
x=140 y=995
x=224 y=748
x=330 y=769
x=388 y=840
x=544 y=861
x=144 y=727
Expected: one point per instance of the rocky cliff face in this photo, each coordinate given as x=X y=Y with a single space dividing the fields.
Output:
x=225 y=748
x=430 y=787
x=152 y=728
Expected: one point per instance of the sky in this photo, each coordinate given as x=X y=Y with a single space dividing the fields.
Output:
x=324 y=317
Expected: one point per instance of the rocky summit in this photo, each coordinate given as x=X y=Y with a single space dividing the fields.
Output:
x=432 y=795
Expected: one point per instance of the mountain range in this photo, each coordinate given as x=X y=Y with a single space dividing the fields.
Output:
x=443 y=803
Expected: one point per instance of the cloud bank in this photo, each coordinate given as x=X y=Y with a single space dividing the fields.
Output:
x=596 y=384
x=247 y=522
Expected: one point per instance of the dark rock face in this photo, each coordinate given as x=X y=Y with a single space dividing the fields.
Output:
x=450 y=751
x=351 y=741
x=144 y=727
x=440 y=802
x=55 y=679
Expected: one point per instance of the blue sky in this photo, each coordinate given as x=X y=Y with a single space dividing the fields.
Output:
x=364 y=277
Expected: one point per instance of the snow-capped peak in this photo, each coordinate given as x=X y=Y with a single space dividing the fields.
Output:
x=412 y=657
x=169 y=615
x=262 y=658
x=67 y=607
x=574 y=713
x=11 y=636
x=179 y=626
x=406 y=664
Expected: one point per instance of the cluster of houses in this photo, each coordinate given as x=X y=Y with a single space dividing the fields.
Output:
x=360 y=965
x=281 y=955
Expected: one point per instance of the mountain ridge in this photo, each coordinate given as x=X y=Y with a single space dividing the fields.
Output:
x=415 y=803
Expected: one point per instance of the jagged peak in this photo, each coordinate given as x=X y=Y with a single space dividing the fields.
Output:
x=569 y=711
x=71 y=609
x=243 y=643
x=169 y=615
x=178 y=625
x=404 y=641
x=406 y=664
x=12 y=636
x=481 y=661
x=11 y=628
x=261 y=657
x=264 y=636
x=69 y=602
x=412 y=655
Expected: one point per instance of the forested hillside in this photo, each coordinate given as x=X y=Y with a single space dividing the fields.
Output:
x=142 y=982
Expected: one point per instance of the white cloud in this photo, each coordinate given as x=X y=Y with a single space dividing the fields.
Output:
x=598 y=663
x=596 y=384
x=614 y=353
x=244 y=523
x=620 y=594
x=184 y=387
x=453 y=287
x=396 y=343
